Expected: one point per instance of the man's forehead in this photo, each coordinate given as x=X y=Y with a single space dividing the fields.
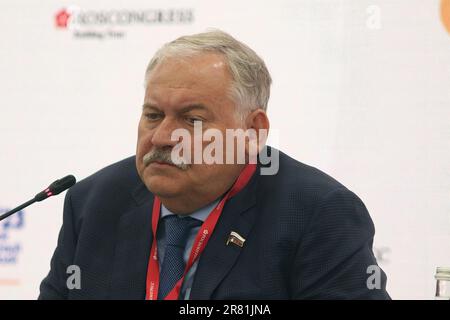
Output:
x=160 y=96
x=199 y=79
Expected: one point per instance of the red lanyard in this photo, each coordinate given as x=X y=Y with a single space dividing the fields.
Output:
x=201 y=240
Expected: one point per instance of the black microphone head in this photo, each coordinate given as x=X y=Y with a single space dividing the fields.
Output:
x=56 y=188
x=62 y=184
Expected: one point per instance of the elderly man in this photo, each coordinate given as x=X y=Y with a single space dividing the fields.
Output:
x=161 y=226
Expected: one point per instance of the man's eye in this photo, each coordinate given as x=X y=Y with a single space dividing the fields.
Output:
x=153 y=116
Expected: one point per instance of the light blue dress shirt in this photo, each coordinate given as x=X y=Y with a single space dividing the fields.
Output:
x=201 y=214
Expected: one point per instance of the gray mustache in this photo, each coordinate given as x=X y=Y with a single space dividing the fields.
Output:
x=164 y=156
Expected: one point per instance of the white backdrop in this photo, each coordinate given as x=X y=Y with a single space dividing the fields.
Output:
x=361 y=90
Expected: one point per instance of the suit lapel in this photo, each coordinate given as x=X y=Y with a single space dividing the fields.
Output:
x=133 y=243
x=216 y=261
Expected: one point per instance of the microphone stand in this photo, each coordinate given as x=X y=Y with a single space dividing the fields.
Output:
x=22 y=206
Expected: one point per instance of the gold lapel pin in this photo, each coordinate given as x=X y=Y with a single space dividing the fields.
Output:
x=236 y=239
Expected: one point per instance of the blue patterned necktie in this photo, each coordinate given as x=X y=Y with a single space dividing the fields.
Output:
x=172 y=268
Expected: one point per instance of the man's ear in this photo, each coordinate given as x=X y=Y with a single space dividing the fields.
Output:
x=259 y=122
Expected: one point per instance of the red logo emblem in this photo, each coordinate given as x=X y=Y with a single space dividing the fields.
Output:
x=62 y=18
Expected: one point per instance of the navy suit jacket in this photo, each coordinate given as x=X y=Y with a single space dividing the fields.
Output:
x=307 y=237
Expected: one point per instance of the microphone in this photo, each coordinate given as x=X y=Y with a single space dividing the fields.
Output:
x=55 y=188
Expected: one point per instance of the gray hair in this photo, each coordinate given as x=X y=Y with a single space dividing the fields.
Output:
x=250 y=88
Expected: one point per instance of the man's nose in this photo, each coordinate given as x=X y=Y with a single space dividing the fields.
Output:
x=162 y=135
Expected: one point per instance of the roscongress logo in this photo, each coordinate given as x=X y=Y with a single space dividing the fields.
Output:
x=113 y=22
x=10 y=247
x=62 y=18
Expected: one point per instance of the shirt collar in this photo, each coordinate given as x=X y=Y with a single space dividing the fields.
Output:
x=201 y=214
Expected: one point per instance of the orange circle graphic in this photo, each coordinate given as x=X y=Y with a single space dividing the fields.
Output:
x=445 y=14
